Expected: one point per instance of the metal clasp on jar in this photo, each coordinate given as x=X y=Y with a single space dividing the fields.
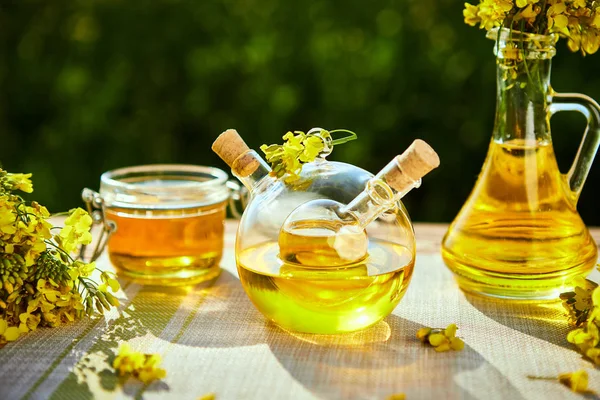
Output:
x=240 y=194
x=95 y=207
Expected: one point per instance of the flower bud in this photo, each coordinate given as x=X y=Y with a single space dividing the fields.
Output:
x=111 y=299
x=18 y=258
x=29 y=288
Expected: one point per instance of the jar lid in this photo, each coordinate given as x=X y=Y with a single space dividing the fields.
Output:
x=163 y=186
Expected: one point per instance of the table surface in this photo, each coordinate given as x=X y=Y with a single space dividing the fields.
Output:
x=213 y=340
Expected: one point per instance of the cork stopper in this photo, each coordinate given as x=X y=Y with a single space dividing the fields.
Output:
x=229 y=146
x=246 y=164
x=416 y=162
x=235 y=152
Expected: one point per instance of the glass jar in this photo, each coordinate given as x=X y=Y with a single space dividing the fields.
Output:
x=167 y=221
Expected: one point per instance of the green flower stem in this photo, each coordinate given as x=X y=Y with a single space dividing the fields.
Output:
x=60 y=250
x=345 y=139
x=542 y=378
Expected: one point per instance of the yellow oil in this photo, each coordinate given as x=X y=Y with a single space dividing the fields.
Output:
x=519 y=234
x=326 y=299
x=167 y=247
x=322 y=243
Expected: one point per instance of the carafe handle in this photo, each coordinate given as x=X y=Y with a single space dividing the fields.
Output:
x=591 y=137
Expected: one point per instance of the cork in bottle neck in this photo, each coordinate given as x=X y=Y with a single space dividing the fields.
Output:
x=235 y=152
x=407 y=168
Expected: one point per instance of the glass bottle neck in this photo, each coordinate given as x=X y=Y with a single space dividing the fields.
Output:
x=522 y=100
x=254 y=180
x=364 y=209
x=377 y=198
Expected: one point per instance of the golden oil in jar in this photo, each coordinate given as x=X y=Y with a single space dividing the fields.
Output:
x=169 y=222
x=175 y=244
x=326 y=299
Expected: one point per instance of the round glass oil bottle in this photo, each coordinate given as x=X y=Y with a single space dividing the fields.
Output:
x=327 y=299
x=331 y=299
x=169 y=222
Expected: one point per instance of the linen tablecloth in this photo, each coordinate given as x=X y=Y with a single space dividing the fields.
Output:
x=213 y=340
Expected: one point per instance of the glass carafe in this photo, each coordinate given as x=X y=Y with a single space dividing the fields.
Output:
x=519 y=235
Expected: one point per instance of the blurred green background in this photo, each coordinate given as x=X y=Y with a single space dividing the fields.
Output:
x=88 y=86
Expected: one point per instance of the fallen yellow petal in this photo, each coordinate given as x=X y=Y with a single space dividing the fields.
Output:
x=11 y=334
x=457 y=344
x=437 y=339
x=422 y=334
x=442 y=347
x=576 y=381
x=450 y=331
x=397 y=396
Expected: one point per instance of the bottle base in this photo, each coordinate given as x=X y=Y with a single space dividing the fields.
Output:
x=326 y=300
x=167 y=271
x=289 y=315
x=350 y=327
x=541 y=287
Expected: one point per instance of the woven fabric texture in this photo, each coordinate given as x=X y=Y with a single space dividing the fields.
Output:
x=212 y=339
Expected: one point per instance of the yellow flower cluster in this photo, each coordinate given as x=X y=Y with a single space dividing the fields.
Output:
x=583 y=305
x=300 y=148
x=40 y=283
x=488 y=13
x=22 y=227
x=76 y=230
x=576 y=20
x=578 y=302
x=441 y=339
x=141 y=366
x=14 y=182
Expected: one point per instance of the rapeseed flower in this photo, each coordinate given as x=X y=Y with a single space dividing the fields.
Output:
x=578 y=21
x=144 y=367
x=441 y=339
x=41 y=284
x=298 y=149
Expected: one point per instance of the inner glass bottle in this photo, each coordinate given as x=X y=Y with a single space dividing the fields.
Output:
x=314 y=299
